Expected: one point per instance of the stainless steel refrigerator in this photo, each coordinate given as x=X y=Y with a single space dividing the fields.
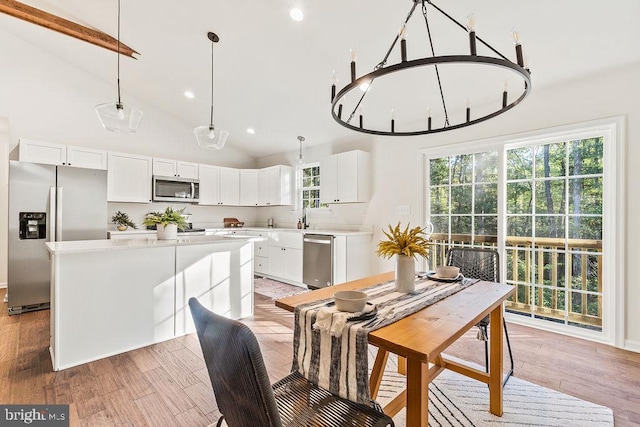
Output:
x=48 y=203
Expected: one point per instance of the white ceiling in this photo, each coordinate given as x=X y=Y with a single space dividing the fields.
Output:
x=274 y=74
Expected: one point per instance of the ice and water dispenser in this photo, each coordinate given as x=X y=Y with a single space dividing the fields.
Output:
x=33 y=225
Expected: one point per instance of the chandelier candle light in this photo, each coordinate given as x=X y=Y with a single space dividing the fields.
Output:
x=209 y=136
x=382 y=69
x=119 y=117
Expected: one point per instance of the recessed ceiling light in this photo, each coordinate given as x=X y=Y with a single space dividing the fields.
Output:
x=251 y=131
x=189 y=94
x=296 y=14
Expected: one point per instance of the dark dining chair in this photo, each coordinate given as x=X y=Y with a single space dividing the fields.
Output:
x=483 y=264
x=244 y=394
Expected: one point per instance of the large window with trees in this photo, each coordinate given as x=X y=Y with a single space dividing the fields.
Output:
x=554 y=197
x=546 y=203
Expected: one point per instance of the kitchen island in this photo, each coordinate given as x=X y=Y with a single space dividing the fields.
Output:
x=112 y=296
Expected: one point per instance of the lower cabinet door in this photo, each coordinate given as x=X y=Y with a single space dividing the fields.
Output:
x=261 y=264
x=285 y=263
x=294 y=265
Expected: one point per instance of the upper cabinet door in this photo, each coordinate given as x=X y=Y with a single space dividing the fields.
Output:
x=164 y=167
x=129 y=178
x=209 y=185
x=274 y=186
x=62 y=155
x=187 y=170
x=268 y=186
x=168 y=167
x=329 y=179
x=81 y=157
x=249 y=187
x=345 y=177
x=42 y=152
x=229 y=186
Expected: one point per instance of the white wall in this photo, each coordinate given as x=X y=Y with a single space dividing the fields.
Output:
x=47 y=99
x=4 y=187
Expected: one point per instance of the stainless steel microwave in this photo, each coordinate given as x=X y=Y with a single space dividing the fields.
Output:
x=175 y=189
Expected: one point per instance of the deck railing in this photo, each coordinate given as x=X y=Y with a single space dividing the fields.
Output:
x=556 y=279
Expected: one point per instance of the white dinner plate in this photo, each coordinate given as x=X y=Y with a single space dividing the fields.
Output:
x=433 y=276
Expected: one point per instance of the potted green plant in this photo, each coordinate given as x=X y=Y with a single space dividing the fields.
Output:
x=406 y=245
x=122 y=221
x=167 y=222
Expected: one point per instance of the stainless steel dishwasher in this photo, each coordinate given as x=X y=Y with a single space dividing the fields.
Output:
x=317 y=260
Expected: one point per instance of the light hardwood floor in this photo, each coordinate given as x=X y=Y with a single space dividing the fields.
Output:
x=167 y=384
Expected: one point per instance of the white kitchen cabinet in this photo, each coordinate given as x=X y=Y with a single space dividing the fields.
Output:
x=81 y=157
x=249 y=187
x=229 y=186
x=209 y=185
x=168 y=167
x=285 y=256
x=129 y=178
x=345 y=177
x=260 y=251
x=274 y=186
x=219 y=185
x=351 y=254
x=62 y=155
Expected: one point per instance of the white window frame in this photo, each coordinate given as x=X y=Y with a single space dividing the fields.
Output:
x=300 y=188
x=614 y=216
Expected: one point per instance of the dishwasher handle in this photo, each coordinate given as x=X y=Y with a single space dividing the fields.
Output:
x=322 y=242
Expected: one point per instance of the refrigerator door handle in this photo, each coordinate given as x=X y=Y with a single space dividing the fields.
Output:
x=59 y=215
x=51 y=221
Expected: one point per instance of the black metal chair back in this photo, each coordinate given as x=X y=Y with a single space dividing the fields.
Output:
x=478 y=263
x=236 y=369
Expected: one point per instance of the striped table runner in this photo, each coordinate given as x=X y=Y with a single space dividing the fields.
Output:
x=340 y=364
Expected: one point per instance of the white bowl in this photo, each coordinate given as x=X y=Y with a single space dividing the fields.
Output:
x=447 y=272
x=351 y=301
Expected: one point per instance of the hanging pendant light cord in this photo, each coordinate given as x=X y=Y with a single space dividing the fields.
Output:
x=211 y=122
x=118 y=51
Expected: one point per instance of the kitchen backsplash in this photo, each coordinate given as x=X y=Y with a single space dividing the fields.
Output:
x=337 y=217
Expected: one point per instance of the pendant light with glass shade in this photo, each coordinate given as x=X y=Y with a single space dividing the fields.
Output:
x=209 y=136
x=117 y=117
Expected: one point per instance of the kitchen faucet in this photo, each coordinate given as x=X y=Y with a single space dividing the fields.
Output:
x=304 y=218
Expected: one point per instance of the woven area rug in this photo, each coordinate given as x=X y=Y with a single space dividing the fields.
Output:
x=274 y=289
x=455 y=400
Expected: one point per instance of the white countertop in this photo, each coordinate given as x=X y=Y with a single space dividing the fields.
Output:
x=302 y=231
x=260 y=229
x=114 y=244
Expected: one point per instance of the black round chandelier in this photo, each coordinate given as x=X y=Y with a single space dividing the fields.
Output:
x=347 y=104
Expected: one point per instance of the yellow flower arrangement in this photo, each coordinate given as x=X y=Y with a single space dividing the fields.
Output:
x=410 y=242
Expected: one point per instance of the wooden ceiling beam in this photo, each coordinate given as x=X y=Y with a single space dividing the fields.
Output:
x=64 y=26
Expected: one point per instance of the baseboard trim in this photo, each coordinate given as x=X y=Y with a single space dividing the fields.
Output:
x=632 y=345
x=3 y=285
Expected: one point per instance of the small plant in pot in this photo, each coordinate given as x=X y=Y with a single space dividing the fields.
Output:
x=122 y=221
x=406 y=245
x=167 y=222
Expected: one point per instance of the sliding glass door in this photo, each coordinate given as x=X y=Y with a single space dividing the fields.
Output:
x=545 y=203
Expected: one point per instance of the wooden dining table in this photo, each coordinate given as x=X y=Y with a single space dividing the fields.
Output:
x=420 y=339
